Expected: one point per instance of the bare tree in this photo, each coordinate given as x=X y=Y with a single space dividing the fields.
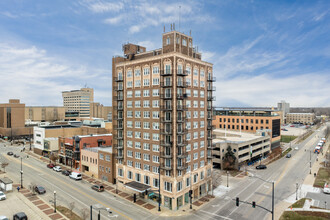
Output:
x=71 y=207
x=84 y=213
x=32 y=187
x=54 y=157
x=4 y=165
x=216 y=178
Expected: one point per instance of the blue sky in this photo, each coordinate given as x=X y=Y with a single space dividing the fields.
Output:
x=262 y=51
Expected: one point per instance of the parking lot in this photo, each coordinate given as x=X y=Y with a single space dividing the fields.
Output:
x=293 y=131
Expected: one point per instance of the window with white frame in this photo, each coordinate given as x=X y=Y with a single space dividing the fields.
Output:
x=155 y=125
x=202 y=73
x=195 y=82
x=146 y=157
x=188 y=169
x=202 y=154
x=146 y=146
x=184 y=42
x=137 y=72
x=137 y=93
x=137 y=104
x=168 y=69
x=129 y=73
x=155 y=103
x=168 y=40
x=195 y=104
x=155 y=147
x=129 y=94
x=195 y=93
x=155 y=159
x=188 y=181
x=195 y=145
x=155 y=81
x=188 y=114
x=202 y=163
x=202 y=94
x=155 y=137
x=137 y=175
x=146 y=71
x=188 y=125
x=137 y=155
x=129 y=84
x=188 y=92
x=188 y=158
x=130 y=144
x=138 y=145
x=195 y=177
x=146 y=114
x=188 y=81
x=129 y=104
x=146 y=93
x=120 y=172
x=188 y=136
x=202 y=144
x=146 y=125
x=146 y=104
x=147 y=180
x=195 y=114
x=188 y=147
x=129 y=163
x=202 y=114
x=137 y=134
x=129 y=134
x=155 y=70
x=202 y=104
x=202 y=83
x=155 y=114
x=137 y=124
x=155 y=169
x=202 y=175
x=155 y=92
x=168 y=186
x=179 y=186
x=201 y=134
x=137 y=114
x=129 y=114
x=180 y=69
x=146 y=82
x=195 y=134
x=188 y=103
x=195 y=166
x=137 y=83
x=195 y=124
x=146 y=136
x=146 y=167
x=195 y=72
x=129 y=153
x=156 y=183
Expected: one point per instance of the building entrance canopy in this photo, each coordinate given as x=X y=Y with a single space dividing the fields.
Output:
x=136 y=186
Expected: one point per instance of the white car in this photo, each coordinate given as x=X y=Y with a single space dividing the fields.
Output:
x=2 y=196
x=2 y=217
x=57 y=168
x=326 y=188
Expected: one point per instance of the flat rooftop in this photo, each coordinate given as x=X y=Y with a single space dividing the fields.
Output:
x=96 y=149
x=239 y=137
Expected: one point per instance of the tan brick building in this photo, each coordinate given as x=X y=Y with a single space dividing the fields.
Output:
x=303 y=118
x=44 y=113
x=107 y=164
x=250 y=120
x=78 y=101
x=98 y=110
x=162 y=118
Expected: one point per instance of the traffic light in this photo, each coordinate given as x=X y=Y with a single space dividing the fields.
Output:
x=134 y=198
x=237 y=201
x=253 y=204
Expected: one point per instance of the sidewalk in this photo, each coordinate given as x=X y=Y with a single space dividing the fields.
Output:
x=307 y=186
x=144 y=203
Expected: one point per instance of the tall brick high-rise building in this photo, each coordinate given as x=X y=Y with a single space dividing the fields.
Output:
x=162 y=117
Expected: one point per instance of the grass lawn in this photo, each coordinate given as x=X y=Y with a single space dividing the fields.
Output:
x=299 y=204
x=323 y=175
x=287 y=138
x=65 y=211
x=304 y=215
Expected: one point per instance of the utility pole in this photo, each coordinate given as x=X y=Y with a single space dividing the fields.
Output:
x=159 y=199
x=54 y=201
x=273 y=202
x=21 y=172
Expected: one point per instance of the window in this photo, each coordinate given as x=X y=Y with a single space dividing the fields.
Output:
x=146 y=93
x=188 y=103
x=155 y=81
x=188 y=147
x=202 y=163
x=155 y=92
x=146 y=146
x=202 y=94
x=155 y=137
x=129 y=173
x=155 y=159
x=137 y=72
x=146 y=125
x=195 y=166
x=180 y=69
x=146 y=180
x=155 y=103
x=129 y=94
x=202 y=154
x=155 y=125
x=137 y=134
x=202 y=83
x=146 y=157
x=137 y=124
x=168 y=69
x=137 y=104
x=195 y=104
x=137 y=177
x=188 y=158
x=202 y=175
x=155 y=70
x=129 y=73
x=137 y=83
x=129 y=84
x=195 y=93
x=129 y=163
x=195 y=156
x=184 y=42
x=195 y=177
x=137 y=155
x=146 y=71
x=195 y=82
x=129 y=104
x=101 y=157
x=129 y=153
x=137 y=145
x=168 y=186
x=129 y=143
x=146 y=82
x=155 y=169
x=146 y=104
x=120 y=172
x=168 y=40
x=156 y=183
x=155 y=147
x=146 y=136
x=155 y=114
x=188 y=180
x=146 y=114
x=137 y=93
x=179 y=186
x=202 y=73
x=129 y=134
x=129 y=124
x=137 y=165
x=195 y=72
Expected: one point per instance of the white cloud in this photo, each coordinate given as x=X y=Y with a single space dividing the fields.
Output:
x=114 y=20
x=264 y=90
x=99 y=6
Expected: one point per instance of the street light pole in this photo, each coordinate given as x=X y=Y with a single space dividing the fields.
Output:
x=54 y=201
x=310 y=162
x=273 y=202
x=21 y=172
x=159 y=197
x=190 y=190
x=227 y=178
x=296 y=191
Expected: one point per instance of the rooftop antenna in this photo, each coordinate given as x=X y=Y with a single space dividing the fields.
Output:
x=179 y=16
x=174 y=26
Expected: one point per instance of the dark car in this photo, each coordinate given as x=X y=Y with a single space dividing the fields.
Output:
x=16 y=156
x=261 y=167
x=66 y=172
x=288 y=155
x=20 y=216
x=98 y=188
x=10 y=153
x=40 y=189
x=50 y=165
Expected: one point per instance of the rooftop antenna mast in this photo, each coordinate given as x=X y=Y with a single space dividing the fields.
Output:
x=179 y=16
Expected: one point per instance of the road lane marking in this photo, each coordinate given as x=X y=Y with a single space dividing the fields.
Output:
x=210 y=213
x=79 y=191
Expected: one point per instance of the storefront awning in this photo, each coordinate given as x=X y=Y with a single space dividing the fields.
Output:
x=136 y=186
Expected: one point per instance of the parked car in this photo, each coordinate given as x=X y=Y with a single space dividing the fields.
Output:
x=66 y=172
x=2 y=196
x=10 y=153
x=261 y=167
x=98 y=188
x=2 y=217
x=57 y=168
x=288 y=155
x=296 y=148
x=326 y=188
x=16 y=156
x=20 y=216
x=75 y=175
x=40 y=189
x=50 y=165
